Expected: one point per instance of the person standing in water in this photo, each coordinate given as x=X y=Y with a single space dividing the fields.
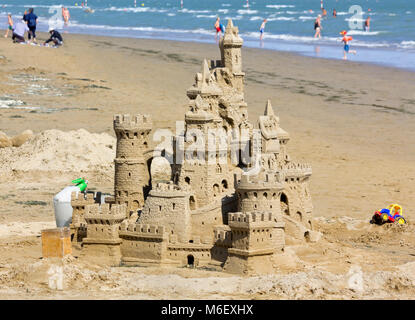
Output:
x=262 y=28
x=334 y=13
x=318 y=27
x=367 y=24
x=217 y=27
x=65 y=14
x=346 y=48
x=9 y=25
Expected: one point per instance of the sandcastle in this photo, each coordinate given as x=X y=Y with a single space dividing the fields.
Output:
x=225 y=195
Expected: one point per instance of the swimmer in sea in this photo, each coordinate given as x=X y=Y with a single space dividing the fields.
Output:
x=334 y=13
x=217 y=27
x=318 y=27
x=262 y=29
x=346 y=47
x=324 y=12
x=9 y=25
x=65 y=14
x=367 y=24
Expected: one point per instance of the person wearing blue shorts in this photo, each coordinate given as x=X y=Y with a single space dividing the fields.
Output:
x=346 y=47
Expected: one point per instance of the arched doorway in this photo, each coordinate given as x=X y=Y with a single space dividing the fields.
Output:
x=190 y=260
x=285 y=209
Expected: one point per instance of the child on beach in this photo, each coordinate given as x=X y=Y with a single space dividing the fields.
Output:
x=346 y=47
x=262 y=29
x=10 y=25
x=31 y=20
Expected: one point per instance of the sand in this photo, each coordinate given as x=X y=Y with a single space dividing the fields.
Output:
x=353 y=122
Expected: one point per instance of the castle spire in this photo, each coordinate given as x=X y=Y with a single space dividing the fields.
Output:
x=269 y=111
x=205 y=71
x=229 y=26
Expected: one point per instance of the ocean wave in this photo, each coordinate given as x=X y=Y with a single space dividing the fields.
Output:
x=306 y=18
x=279 y=6
x=407 y=45
x=256 y=18
x=226 y=5
x=364 y=33
x=282 y=19
x=247 y=11
x=212 y=16
x=193 y=11
x=132 y=9
x=142 y=29
x=224 y=11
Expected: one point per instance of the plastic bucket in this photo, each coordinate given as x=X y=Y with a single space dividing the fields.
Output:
x=63 y=207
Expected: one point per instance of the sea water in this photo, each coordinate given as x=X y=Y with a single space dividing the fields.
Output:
x=290 y=27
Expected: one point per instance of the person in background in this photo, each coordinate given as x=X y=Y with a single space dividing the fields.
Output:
x=346 y=47
x=65 y=14
x=9 y=25
x=55 y=37
x=262 y=29
x=334 y=13
x=367 y=24
x=19 y=30
x=24 y=15
x=217 y=27
x=324 y=12
x=317 y=27
x=31 y=20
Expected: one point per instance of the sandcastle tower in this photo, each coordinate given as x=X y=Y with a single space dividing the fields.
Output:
x=131 y=171
x=230 y=45
x=79 y=201
x=253 y=245
x=103 y=223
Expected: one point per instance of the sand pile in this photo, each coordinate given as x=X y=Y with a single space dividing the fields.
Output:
x=55 y=150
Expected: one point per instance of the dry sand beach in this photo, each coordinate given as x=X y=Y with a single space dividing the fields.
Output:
x=353 y=122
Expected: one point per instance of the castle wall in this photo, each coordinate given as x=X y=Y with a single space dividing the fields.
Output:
x=170 y=209
x=143 y=243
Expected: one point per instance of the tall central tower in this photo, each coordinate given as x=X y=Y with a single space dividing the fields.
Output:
x=230 y=46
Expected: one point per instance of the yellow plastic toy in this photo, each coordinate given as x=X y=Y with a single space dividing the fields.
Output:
x=393 y=213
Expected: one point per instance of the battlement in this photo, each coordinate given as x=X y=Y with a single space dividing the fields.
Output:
x=132 y=123
x=79 y=199
x=263 y=181
x=142 y=230
x=296 y=170
x=105 y=213
x=250 y=217
x=223 y=236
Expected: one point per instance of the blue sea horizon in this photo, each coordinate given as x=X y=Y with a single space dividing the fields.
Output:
x=290 y=27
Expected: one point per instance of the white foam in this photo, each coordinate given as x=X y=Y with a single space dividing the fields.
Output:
x=247 y=11
x=256 y=18
x=306 y=18
x=279 y=6
x=282 y=19
x=206 y=16
x=364 y=33
x=407 y=45
x=193 y=11
x=224 y=11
